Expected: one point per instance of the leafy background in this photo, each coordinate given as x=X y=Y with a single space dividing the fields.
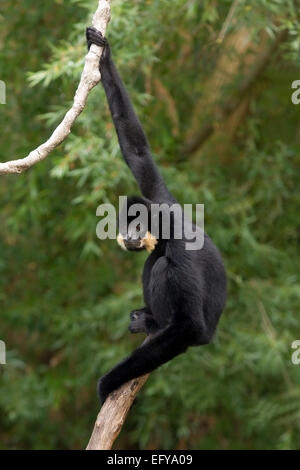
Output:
x=65 y=296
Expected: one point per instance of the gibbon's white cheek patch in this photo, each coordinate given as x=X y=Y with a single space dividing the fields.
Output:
x=149 y=241
x=120 y=241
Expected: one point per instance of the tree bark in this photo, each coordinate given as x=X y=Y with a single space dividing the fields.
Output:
x=113 y=414
x=89 y=79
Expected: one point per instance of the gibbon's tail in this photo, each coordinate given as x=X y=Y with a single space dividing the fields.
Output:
x=154 y=352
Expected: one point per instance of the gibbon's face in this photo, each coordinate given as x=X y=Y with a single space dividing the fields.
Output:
x=136 y=236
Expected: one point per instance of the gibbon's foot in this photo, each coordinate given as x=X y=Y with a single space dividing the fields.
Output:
x=142 y=321
x=137 y=321
x=103 y=389
x=93 y=36
x=135 y=314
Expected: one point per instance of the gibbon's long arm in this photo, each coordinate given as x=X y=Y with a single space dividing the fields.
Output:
x=132 y=139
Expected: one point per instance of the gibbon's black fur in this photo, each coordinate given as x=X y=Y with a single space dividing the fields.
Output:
x=184 y=291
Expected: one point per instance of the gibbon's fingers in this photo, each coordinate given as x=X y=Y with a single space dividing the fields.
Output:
x=94 y=36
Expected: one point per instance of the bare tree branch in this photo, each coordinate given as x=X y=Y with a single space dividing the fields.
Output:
x=89 y=78
x=232 y=102
x=228 y=21
x=113 y=414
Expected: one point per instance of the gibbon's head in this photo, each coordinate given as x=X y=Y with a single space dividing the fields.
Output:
x=134 y=224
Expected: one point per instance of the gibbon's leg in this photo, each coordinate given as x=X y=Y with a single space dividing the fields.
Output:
x=132 y=139
x=162 y=347
x=142 y=321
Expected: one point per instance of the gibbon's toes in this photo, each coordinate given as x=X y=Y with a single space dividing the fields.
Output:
x=103 y=391
x=135 y=328
x=94 y=36
x=131 y=329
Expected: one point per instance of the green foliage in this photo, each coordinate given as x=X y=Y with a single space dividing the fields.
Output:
x=65 y=296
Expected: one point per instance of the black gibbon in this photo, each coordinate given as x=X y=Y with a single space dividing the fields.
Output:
x=184 y=290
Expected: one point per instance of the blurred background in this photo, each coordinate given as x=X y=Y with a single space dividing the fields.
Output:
x=211 y=82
